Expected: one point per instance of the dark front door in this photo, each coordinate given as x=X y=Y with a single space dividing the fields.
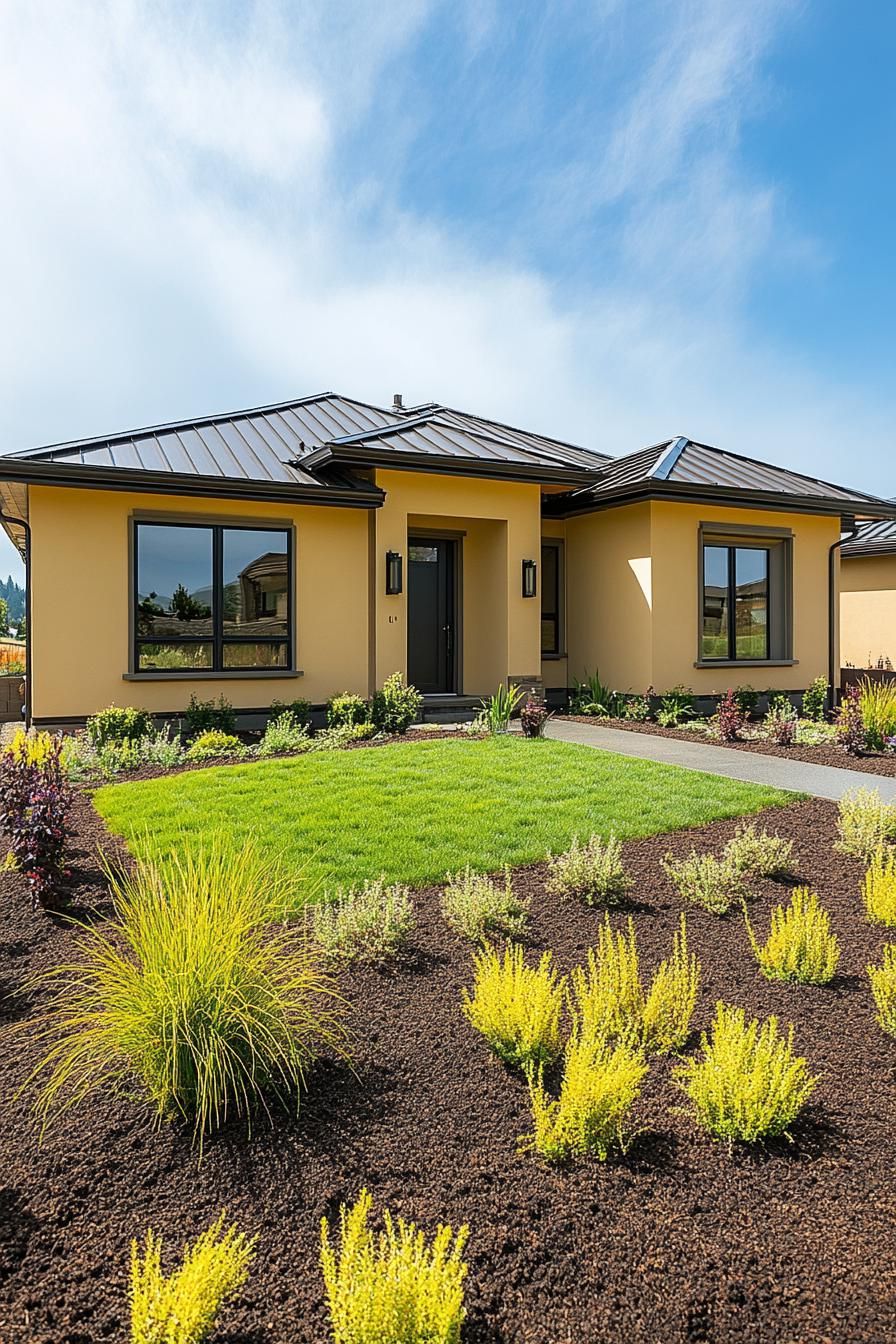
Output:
x=431 y=614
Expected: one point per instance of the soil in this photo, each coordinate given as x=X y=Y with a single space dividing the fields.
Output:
x=872 y=763
x=681 y=1240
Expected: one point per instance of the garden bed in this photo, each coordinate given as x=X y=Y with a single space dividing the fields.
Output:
x=679 y=1241
x=872 y=763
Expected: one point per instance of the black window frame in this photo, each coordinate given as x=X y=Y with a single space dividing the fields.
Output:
x=218 y=639
x=732 y=547
x=556 y=544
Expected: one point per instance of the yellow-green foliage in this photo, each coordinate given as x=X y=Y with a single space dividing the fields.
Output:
x=758 y=854
x=475 y=904
x=883 y=987
x=801 y=944
x=392 y=1289
x=593 y=872
x=600 y=1084
x=213 y=743
x=192 y=990
x=670 y=1004
x=877 y=700
x=748 y=1083
x=32 y=747
x=702 y=879
x=879 y=888
x=367 y=924
x=865 y=823
x=607 y=995
x=517 y=1007
x=182 y=1307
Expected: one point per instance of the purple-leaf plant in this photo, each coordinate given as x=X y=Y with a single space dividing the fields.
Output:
x=35 y=801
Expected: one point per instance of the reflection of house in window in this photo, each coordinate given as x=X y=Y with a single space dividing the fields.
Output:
x=263 y=591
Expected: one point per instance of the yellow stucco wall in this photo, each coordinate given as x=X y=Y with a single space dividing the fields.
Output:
x=867 y=609
x=80 y=579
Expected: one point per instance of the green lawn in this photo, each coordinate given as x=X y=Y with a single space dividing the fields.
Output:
x=414 y=811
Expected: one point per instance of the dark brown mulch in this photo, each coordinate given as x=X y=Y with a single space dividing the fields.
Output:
x=874 y=763
x=681 y=1241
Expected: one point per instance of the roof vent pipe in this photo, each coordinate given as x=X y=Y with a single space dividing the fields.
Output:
x=397 y=403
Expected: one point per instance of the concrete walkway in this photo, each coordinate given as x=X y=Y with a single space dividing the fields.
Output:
x=822 y=781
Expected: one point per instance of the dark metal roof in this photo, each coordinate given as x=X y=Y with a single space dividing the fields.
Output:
x=873 y=539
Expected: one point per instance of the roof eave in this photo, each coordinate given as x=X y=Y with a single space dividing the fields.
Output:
x=732 y=497
x=869 y=552
x=357 y=455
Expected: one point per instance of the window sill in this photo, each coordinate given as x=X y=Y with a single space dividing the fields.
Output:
x=748 y=662
x=231 y=674
x=553 y=657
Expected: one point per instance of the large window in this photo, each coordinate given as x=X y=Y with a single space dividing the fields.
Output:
x=211 y=598
x=735 y=603
x=552 y=597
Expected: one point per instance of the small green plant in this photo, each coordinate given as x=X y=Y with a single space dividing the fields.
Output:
x=517 y=1007
x=675 y=705
x=877 y=700
x=340 y=736
x=591 y=696
x=747 y=699
x=748 y=1085
x=496 y=712
x=118 y=725
x=801 y=944
x=606 y=993
x=815 y=699
x=702 y=879
x=593 y=872
x=299 y=709
x=393 y=1289
x=346 y=710
x=396 y=706
x=864 y=823
x=669 y=1006
x=283 y=735
x=883 y=987
x=203 y=715
x=183 y=1307
x=475 y=904
x=879 y=888
x=600 y=1084
x=366 y=924
x=758 y=854
x=781 y=724
x=637 y=708
x=213 y=743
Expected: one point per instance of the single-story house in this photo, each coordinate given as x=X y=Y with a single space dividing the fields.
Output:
x=318 y=545
x=868 y=596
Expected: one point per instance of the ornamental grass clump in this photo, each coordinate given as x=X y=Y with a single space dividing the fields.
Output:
x=670 y=1003
x=601 y=1082
x=758 y=854
x=475 y=905
x=883 y=987
x=748 y=1084
x=865 y=823
x=394 y=1288
x=593 y=872
x=517 y=1007
x=192 y=991
x=879 y=888
x=702 y=879
x=606 y=994
x=183 y=1307
x=801 y=944
x=364 y=924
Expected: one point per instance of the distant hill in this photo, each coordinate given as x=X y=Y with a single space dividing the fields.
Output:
x=15 y=599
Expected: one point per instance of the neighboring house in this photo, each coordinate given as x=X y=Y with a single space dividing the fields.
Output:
x=315 y=546
x=868 y=596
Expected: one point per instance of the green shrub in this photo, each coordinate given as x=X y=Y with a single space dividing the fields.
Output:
x=474 y=904
x=669 y=1006
x=496 y=712
x=748 y=1084
x=367 y=924
x=637 y=708
x=864 y=823
x=883 y=987
x=394 y=1289
x=815 y=699
x=675 y=705
x=600 y=1084
x=758 y=854
x=877 y=700
x=213 y=743
x=182 y=1307
x=284 y=734
x=801 y=944
x=346 y=710
x=517 y=1007
x=118 y=725
x=190 y=989
x=702 y=879
x=879 y=888
x=746 y=699
x=340 y=736
x=396 y=706
x=299 y=709
x=606 y=993
x=591 y=696
x=593 y=872
x=203 y=716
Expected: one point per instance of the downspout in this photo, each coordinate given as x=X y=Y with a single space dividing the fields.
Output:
x=26 y=527
x=849 y=529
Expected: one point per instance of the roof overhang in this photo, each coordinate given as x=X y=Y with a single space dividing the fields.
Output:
x=363 y=455
x=581 y=502
x=868 y=552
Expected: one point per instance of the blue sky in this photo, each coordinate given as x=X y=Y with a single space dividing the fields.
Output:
x=607 y=220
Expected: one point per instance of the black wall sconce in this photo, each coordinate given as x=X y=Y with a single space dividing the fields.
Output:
x=393 y=573
x=530 y=582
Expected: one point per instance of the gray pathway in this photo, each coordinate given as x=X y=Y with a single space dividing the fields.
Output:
x=823 y=781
